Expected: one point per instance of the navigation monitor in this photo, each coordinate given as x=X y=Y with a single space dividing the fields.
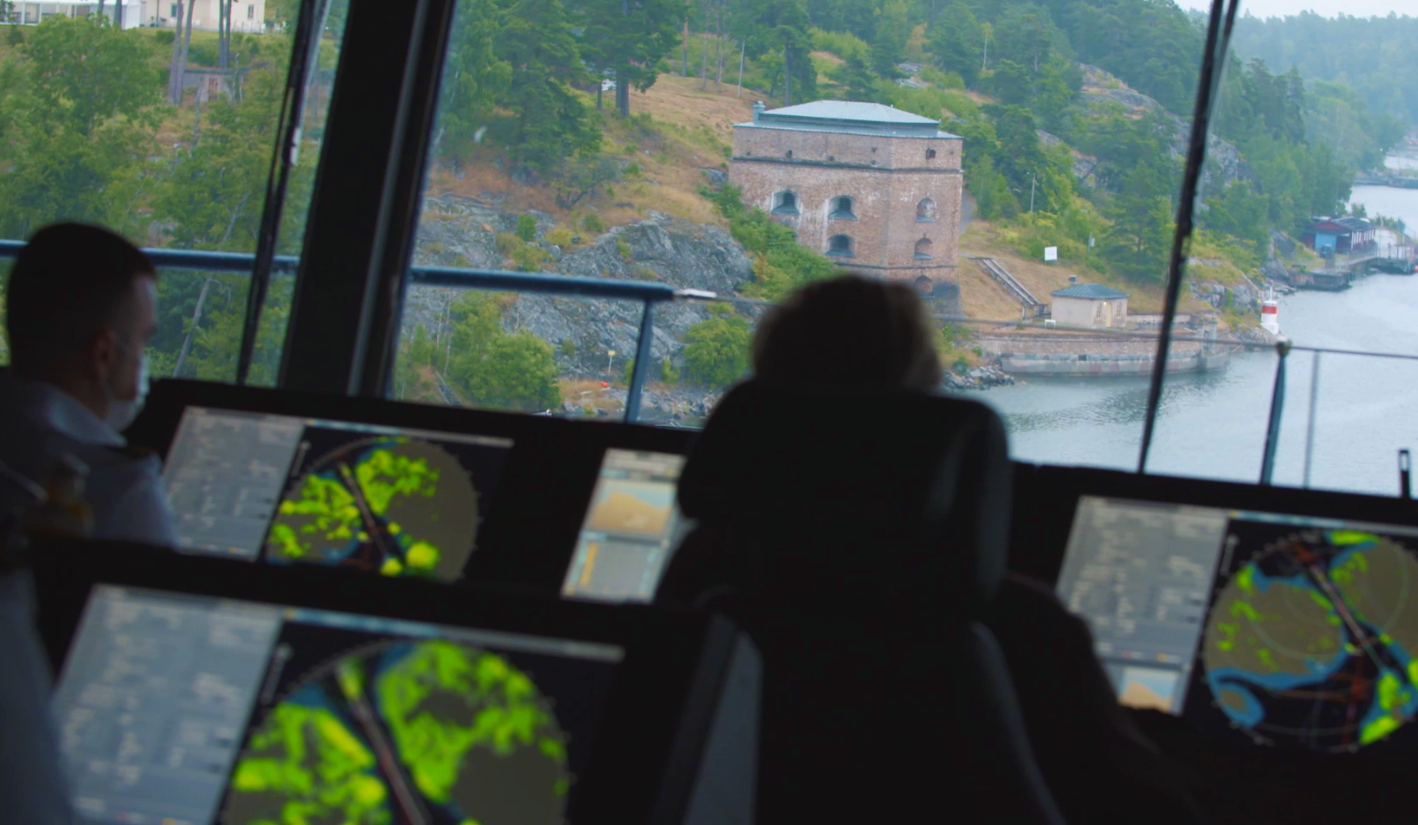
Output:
x=1292 y=630
x=631 y=527
x=181 y=709
x=302 y=490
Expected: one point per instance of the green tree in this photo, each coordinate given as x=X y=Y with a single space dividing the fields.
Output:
x=628 y=38
x=474 y=79
x=548 y=120
x=716 y=350
x=1010 y=83
x=893 y=29
x=80 y=109
x=492 y=368
x=956 y=42
x=781 y=27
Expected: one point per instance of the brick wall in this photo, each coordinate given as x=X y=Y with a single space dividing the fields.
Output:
x=886 y=177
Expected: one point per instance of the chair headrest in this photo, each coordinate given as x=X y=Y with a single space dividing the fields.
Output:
x=849 y=478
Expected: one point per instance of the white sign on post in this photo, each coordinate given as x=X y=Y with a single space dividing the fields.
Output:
x=1051 y=253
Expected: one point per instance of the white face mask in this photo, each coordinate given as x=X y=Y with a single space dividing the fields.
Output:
x=121 y=412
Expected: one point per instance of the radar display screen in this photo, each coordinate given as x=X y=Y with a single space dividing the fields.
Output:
x=631 y=528
x=1312 y=637
x=1291 y=631
x=390 y=500
x=243 y=713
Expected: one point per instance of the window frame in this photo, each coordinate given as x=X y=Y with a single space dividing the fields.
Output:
x=848 y=250
x=344 y=316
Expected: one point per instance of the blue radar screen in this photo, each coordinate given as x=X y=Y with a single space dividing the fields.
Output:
x=1311 y=642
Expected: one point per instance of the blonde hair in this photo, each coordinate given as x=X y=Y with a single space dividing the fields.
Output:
x=849 y=330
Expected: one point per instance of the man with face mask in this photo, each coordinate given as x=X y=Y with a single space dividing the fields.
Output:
x=81 y=306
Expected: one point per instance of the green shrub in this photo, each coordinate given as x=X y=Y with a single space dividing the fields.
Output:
x=716 y=350
x=568 y=347
x=527 y=228
x=508 y=244
x=593 y=223
x=530 y=258
x=15 y=36
x=668 y=373
x=164 y=37
x=946 y=80
x=623 y=249
x=559 y=236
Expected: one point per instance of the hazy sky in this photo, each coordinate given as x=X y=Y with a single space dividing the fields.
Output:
x=1328 y=8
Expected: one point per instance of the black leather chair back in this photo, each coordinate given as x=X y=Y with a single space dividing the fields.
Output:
x=857 y=535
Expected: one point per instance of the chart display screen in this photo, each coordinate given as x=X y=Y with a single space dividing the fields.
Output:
x=1295 y=631
x=295 y=490
x=631 y=527
x=187 y=710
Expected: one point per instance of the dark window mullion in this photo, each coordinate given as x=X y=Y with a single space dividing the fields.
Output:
x=364 y=208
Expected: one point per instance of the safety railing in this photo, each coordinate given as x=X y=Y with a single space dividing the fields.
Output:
x=647 y=293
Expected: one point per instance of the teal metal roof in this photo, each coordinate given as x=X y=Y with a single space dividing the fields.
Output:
x=849 y=117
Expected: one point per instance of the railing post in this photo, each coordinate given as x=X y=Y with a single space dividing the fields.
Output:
x=1277 y=406
x=642 y=363
x=1310 y=421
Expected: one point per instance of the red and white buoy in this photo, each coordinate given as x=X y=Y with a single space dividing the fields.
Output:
x=1270 y=313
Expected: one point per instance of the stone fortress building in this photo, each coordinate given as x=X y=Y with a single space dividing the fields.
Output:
x=872 y=187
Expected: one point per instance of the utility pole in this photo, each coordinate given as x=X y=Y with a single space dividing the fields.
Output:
x=742 y=45
x=1032 y=177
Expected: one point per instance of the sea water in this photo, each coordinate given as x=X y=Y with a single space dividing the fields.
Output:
x=1213 y=425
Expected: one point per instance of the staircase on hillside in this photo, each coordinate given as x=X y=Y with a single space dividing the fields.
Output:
x=1033 y=307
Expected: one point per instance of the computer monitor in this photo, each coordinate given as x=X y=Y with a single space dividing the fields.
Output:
x=287 y=489
x=630 y=529
x=185 y=709
x=1290 y=630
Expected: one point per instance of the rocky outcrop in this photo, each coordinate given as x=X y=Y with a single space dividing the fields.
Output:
x=463 y=232
x=1102 y=90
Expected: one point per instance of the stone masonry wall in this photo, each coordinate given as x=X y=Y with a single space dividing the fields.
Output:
x=885 y=230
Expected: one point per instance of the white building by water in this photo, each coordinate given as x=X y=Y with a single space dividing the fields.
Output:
x=246 y=15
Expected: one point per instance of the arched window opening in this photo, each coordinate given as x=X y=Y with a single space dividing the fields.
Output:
x=840 y=246
x=925 y=211
x=785 y=203
x=842 y=208
x=924 y=285
x=923 y=249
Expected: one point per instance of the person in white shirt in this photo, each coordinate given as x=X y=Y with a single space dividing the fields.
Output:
x=81 y=305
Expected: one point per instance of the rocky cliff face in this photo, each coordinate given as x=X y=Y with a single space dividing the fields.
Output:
x=462 y=232
x=1101 y=89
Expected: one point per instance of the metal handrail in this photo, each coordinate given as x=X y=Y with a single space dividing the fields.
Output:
x=540 y=283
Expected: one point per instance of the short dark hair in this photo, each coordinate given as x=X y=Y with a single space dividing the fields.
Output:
x=849 y=330
x=69 y=281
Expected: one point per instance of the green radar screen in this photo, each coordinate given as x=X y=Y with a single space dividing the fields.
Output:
x=1312 y=642
x=396 y=505
x=404 y=733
